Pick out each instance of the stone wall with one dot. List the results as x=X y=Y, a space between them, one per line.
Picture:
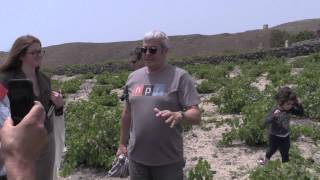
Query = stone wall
x=297 y=49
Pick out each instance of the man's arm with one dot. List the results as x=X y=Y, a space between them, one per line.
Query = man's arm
x=125 y=123
x=192 y=114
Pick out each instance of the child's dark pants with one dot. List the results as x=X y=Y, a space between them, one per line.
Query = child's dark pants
x=283 y=143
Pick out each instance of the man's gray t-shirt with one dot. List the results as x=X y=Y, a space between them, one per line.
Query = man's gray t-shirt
x=152 y=141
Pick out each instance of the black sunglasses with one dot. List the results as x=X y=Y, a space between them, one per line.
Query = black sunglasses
x=152 y=50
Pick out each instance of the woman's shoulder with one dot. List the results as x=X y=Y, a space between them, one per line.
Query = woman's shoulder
x=6 y=76
x=43 y=76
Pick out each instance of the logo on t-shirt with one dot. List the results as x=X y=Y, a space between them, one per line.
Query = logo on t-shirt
x=149 y=90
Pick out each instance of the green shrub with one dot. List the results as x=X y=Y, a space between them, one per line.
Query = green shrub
x=101 y=95
x=116 y=80
x=278 y=71
x=88 y=75
x=201 y=171
x=251 y=70
x=251 y=130
x=277 y=170
x=92 y=133
x=208 y=87
x=312 y=132
x=186 y=126
x=308 y=89
x=296 y=168
x=235 y=95
x=216 y=76
x=303 y=35
x=279 y=37
x=55 y=85
x=101 y=90
x=71 y=86
x=105 y=99
x=210 y=71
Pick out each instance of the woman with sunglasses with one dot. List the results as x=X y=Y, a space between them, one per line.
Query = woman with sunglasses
x=24 y=62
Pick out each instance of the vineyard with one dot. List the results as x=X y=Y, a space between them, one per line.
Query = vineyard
x=235 y=100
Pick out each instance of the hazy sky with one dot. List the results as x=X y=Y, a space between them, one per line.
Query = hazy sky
x=62 y=21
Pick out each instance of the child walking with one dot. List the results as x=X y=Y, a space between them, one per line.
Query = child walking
x=279 y=120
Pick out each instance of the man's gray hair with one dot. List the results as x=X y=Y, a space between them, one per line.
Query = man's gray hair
x=159 y=35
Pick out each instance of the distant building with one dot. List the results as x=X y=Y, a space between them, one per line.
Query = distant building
x=265 y=27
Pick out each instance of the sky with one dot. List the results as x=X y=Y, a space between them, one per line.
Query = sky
x=64 y=21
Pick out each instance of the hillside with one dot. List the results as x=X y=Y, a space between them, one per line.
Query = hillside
x=182 y=46
x=298 y=26
x=189 y=45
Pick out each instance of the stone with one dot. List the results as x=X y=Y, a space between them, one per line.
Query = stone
x=194 y=158
x=316 y=158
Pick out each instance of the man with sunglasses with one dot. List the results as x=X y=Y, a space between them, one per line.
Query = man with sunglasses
x=160 y=98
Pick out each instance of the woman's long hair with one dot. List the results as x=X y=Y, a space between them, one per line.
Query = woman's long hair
x=18 y=49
